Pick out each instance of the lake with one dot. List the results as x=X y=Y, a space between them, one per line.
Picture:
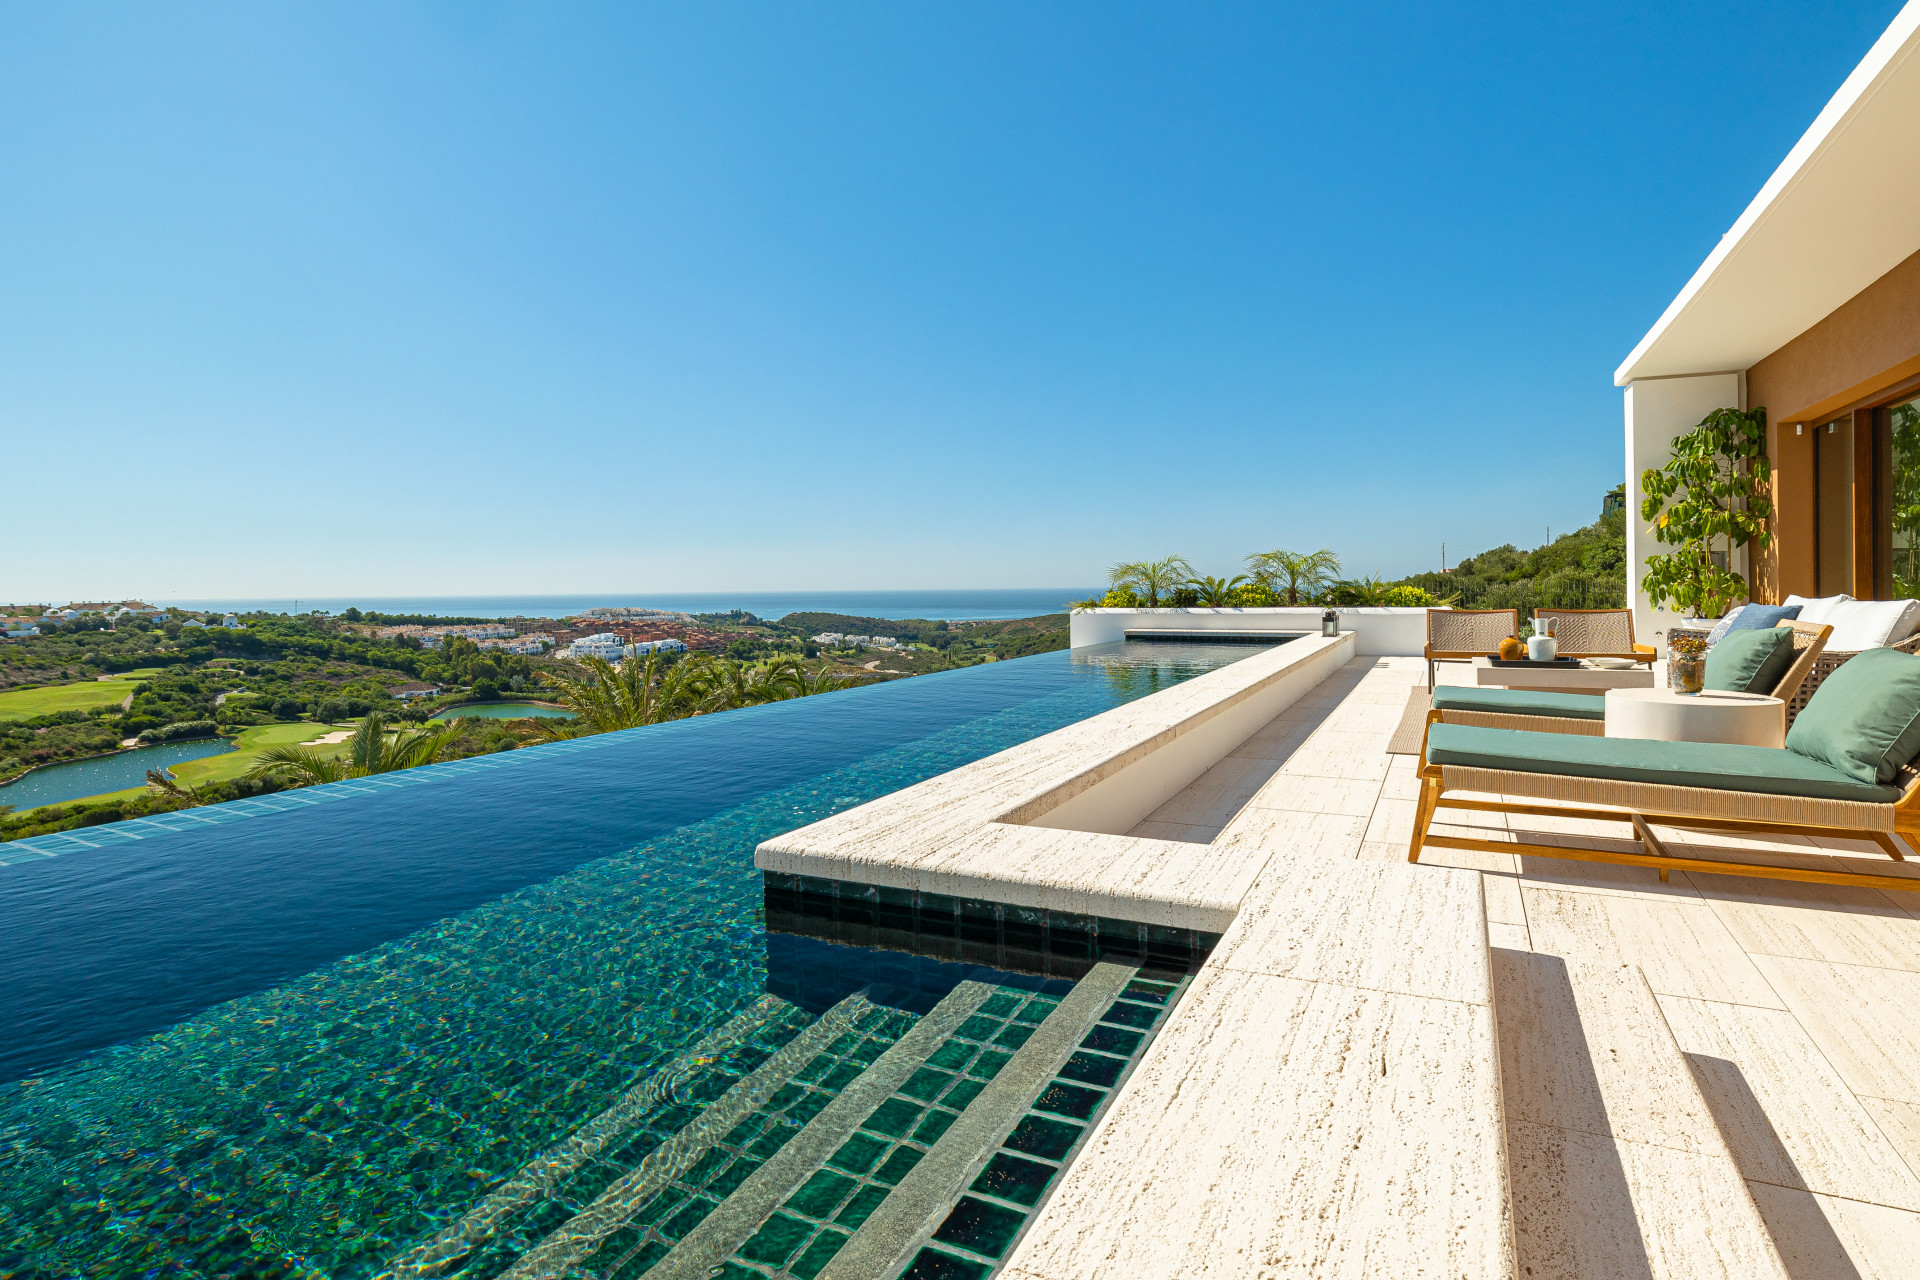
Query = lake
x=504 y=711
x=77 y=779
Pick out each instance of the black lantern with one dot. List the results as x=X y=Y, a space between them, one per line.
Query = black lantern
x=1329 y=624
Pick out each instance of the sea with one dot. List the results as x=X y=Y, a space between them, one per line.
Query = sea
x=954 y=606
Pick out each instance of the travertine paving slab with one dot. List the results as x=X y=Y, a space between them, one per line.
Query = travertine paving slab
x=1584 y=1047
x=1333 y=835
x=1679 y=944
x=1830 y=1238
x=1280 y=1127
x=1866 y=1021
x=1816 y=921
x=1900 y=1122
x=1384 y=927
x=1304 y=794
x=1590 y=1207
x=1787 y=1116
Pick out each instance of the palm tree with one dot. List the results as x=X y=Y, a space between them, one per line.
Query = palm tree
x=1302 y=573
x=635 y=693
x=1151 y=577
x=1216 y=592
x=163 y=785
x=373 y=748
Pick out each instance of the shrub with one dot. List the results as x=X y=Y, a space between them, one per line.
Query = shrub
x=286 y=709
x=334 y=710
x=1405 y=597
x=179 y=730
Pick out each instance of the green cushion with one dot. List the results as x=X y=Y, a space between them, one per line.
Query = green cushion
x=1864 y=719
x=1750 y=661
x=1720 y=765
x=1521 y=702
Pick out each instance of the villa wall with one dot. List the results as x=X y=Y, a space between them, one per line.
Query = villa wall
x=1659 y=409
x=1378 y=632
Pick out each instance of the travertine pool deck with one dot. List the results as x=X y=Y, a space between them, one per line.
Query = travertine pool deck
x=1483 y=1065
x=1796 y=1006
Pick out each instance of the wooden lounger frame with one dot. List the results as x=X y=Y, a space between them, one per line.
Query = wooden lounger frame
x=1698 y=808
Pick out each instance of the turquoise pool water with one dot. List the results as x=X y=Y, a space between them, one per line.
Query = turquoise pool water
x=504 y=711
x=77 y=779
x=525 y=1012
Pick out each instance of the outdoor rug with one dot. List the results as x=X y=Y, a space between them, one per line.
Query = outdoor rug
x=1413 y=723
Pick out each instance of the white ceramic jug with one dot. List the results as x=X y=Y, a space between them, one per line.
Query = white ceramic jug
x=1541 y=648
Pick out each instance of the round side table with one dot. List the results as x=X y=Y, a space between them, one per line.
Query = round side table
x=1752 y=719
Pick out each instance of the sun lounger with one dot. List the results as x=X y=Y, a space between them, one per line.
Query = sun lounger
x=1847 y=772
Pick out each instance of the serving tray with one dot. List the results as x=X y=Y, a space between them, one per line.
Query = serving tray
x=1562 y=663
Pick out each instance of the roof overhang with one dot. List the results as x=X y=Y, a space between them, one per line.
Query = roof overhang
x=1841 y=211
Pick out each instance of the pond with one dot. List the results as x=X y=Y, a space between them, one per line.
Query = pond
x=504 y=711
x=78 y=779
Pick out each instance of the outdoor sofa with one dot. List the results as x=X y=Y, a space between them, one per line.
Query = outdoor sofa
x=1846 y=771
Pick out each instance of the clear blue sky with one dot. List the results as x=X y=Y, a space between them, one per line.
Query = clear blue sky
x=340 y=298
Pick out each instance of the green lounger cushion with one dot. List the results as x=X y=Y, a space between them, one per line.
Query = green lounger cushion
x=1722 y=766
x=1520 y=702
x=1864 y=720
x=1750 y=661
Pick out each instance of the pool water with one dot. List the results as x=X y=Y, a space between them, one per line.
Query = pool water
x=523 y=1016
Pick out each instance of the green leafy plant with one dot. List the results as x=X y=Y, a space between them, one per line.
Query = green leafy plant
x=1216 y=593
x=1712 y=490
x=1905 y=423
x=1151 y=578
x=1294 y=574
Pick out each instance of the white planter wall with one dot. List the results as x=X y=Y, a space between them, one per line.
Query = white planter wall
x=1378 y=632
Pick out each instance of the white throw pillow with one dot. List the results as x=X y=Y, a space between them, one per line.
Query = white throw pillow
x=1723 y=626
x=1816 y=608
x=1869 y=624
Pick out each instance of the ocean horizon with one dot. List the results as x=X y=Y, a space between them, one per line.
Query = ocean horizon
x=954 y=606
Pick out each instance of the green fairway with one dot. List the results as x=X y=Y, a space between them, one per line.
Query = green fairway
x=231 y=764
x=82 y=695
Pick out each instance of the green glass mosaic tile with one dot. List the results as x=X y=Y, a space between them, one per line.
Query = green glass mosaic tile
x=980 y=1226
x=822 y=1193
x=1071 y=1100
x=858 y=1153
x=926 y=1084
x=1036 y=1011
x=858 y=1209
x=1039 y=1136
x=1112 y=1040
x=778 y=1240
x=898 y=1165
x=731 y=1177
x=1000 y=1004
x=895 y=1117
x=979 y=1028
x=842 y=1075
x=988 y=1064
x=953 y=1055
x=817 y=1255
x=936 y=1264
x=936 y=1124
x=1009 y=1177
x=1015 y=1035
x=962 y=1093
x=1093 y=1068
x=689 y=1217
x=1130 y=1015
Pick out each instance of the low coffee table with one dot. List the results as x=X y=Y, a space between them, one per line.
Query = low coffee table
x=1585 y=678
x=1752 y=719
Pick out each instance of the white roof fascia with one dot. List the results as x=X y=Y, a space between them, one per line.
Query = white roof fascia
x=1889 y=52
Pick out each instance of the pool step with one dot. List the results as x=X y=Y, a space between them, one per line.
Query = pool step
x=743 y=1213
x=584 y=1233
x=926 y=1196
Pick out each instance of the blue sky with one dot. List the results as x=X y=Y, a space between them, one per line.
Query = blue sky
x=467 y=297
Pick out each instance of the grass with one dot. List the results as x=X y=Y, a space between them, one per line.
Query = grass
x=231 y=764
x=81 y=695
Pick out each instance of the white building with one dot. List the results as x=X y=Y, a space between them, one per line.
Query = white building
x=832 y=639
x=642 y=647
x=603 y=645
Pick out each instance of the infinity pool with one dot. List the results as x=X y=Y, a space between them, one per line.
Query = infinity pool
x=522 y=1015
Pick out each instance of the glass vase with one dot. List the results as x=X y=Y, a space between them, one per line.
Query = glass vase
x=1687 y=673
